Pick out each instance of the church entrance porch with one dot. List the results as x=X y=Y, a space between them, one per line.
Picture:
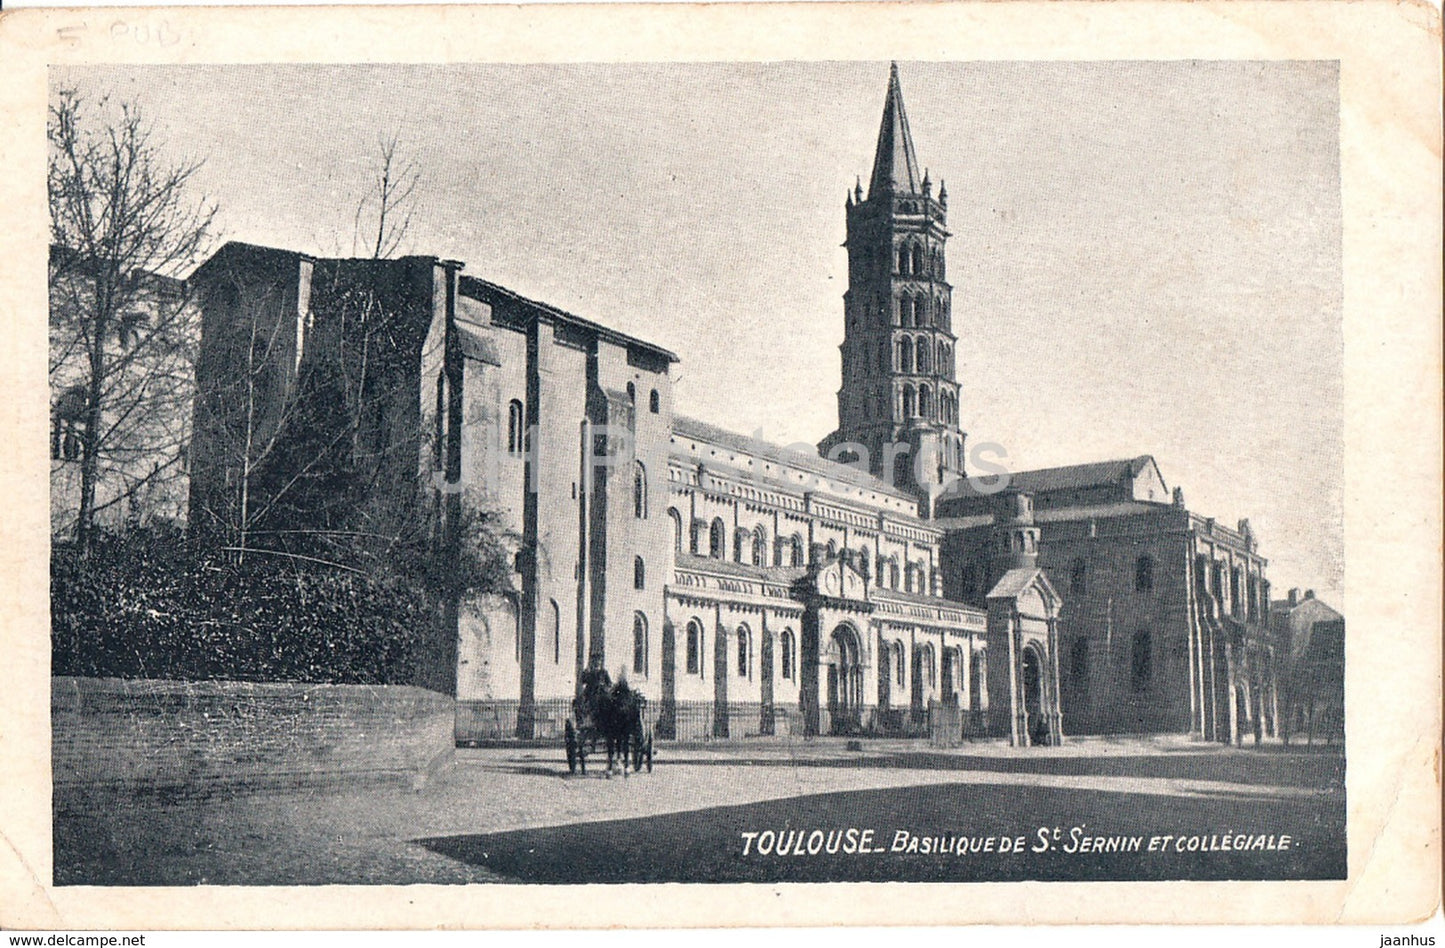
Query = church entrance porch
x=1023 y=670
x=842 y=658
x=1036 y=723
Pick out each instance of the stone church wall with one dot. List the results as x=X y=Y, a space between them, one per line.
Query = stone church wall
x=1103 y=690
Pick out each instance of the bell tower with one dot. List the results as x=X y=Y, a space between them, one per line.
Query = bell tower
x=899 y=397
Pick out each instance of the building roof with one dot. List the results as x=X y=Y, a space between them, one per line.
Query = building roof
x=64 y=258
x=1306 y=608
x=963 y=522
x=235 y=248
x=1016 y=581
x=895 y=167
x=832 y=470
x=1074 y=476
x=1049 y=479
x=923 y=599
x=240 y=248
x=562 y=316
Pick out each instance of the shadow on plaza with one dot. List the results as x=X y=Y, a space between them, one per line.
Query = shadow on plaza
x=707 y=845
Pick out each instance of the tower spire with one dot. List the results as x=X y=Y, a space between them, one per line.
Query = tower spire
x=900 y=385
x=895 y=168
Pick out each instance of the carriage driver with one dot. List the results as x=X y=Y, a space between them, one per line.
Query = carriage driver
x=595 y=683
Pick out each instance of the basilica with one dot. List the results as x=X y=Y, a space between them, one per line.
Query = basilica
x=875 y=587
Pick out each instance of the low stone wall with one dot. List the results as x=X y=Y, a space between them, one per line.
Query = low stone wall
x=172 y=734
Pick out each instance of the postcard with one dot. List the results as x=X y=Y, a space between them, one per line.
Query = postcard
x=487 y=452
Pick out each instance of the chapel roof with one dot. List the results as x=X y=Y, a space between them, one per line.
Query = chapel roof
x=685 y=427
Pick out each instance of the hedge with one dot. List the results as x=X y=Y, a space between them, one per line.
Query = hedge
x=148 y=604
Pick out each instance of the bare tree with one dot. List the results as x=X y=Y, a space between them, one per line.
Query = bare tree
x=392 y=198
x=389 y=203
x=293 y=398
x=123 y=228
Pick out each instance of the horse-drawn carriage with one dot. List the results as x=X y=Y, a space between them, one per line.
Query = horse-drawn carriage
x=613 y=716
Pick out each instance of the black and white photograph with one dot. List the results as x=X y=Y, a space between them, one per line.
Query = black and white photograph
x=900 y=468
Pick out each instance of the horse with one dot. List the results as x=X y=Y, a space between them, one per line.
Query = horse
x=619 y=720
x=613 y=713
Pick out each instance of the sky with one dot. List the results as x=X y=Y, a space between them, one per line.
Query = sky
x=1145 y=256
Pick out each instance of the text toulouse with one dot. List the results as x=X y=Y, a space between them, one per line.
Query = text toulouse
x=853 y=841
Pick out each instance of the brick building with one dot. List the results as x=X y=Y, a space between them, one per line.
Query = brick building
x=1311 y=642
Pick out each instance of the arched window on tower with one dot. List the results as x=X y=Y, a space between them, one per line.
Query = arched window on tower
x=639 y=644
x=923 y=355
x=908 y=403
x=925 y=401
x=920 y=311
x=905 y=308
x=1144 y=574
x=918 y=259
x=639 y=491
x=905 y=354
x=514 y=428
x=902 y=470
x=694 y=647
x=676 y=529
x=1141 y=665
x=903 y=261
x=556 y=633
x=797 y=550
x=654 y=402
x=1079 y=666
x=716 y=540
x=942 y=361
x=760 y=547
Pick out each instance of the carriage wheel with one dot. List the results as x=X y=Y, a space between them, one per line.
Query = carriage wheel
x=572 y=757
